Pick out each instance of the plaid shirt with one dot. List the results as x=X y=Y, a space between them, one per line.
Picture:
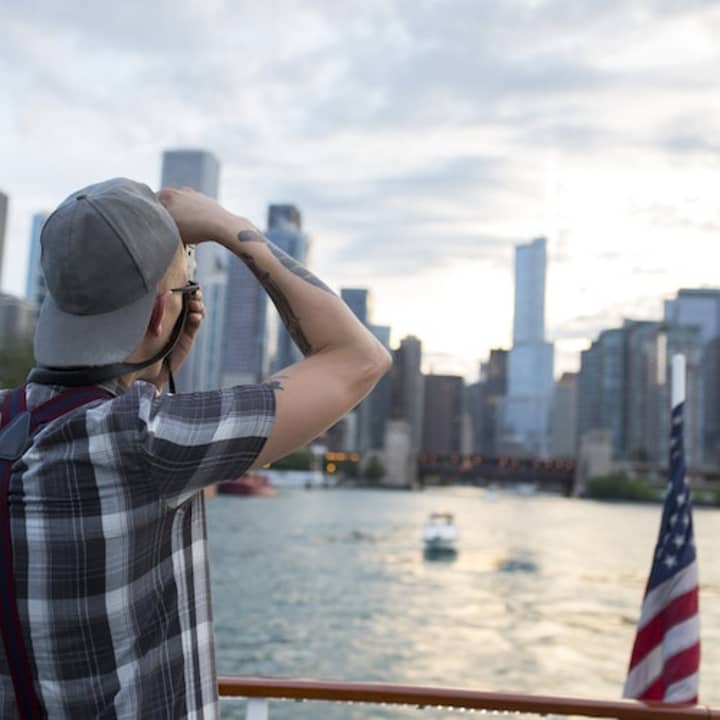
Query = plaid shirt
x=110 y=548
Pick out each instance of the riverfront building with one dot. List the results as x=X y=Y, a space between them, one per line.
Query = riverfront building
x=408 y=388
x=701 y=308
x=200 y=170
x=530 y=369
x=563 y=417
x=35 y=288
x=624 y=388
x=443 y=416
x=484 y=402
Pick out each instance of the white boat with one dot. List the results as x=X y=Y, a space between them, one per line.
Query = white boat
x=440 y=534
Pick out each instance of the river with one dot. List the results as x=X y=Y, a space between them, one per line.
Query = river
x=542 y=597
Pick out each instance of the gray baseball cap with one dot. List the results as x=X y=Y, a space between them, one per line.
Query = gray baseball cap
x=104 y=251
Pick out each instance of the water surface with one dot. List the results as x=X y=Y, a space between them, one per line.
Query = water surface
x=542 y=597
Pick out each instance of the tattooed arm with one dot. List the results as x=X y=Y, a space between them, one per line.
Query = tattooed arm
x=343 y=360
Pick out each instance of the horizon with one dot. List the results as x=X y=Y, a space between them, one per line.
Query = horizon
x=421 y=147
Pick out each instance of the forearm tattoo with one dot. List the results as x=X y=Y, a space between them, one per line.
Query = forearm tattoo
x=287 y=261
x=287 y=314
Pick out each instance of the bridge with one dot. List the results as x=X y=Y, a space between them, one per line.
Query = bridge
x=557 y=475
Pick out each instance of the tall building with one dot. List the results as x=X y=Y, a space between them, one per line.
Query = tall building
x=624 y=387
x=284 y=229
x=484 y=401
x=701 y=308
x=3 y=223
x=17 y=319
x=650 y=347
x=408 y=388
x=35 y=288
x=563 y=417
x=443 y=415
x=200 y=170
x=358 y=300
x=530 y=370
x=601 y=389
x=247 y=352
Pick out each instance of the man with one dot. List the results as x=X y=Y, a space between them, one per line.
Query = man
x=106 y=513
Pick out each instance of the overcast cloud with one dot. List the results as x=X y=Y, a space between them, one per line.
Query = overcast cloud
x=421 y=140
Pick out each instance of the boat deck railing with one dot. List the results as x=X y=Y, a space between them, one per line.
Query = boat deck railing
x=259 y=691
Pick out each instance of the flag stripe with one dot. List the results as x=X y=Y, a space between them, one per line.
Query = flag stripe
x=678 y=584
x=679 y=610
x=682 y=665
x=684 y=690
x=677 y=673
x=653 y=666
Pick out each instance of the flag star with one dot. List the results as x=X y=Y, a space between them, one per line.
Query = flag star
x=679 y=540
x=685 y=519
x=681 y=499
x=670 y=561
x=673 y=520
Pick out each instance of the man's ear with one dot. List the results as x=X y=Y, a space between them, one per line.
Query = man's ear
x=157 y=318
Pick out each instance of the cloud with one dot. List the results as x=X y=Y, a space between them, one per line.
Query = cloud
x=412 y=134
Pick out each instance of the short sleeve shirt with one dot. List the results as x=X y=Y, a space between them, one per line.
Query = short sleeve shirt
x=109 y=538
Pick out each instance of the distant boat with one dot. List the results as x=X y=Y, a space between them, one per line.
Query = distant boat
x=250 y=484
x=440 y=534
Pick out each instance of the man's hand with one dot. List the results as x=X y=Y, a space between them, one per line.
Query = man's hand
x=198 y=217
x=182 y=348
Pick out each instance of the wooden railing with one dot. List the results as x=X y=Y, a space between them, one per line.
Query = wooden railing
x=259 y=690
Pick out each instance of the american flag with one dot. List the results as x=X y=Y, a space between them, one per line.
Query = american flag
x=665 y=660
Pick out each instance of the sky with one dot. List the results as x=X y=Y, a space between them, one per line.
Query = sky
x=422 y=141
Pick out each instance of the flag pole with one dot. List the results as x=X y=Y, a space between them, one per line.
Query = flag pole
x=679 y=380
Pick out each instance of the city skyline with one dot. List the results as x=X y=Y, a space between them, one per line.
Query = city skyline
x=418 y=175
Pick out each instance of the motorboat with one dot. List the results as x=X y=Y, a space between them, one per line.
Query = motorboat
x=440 y=534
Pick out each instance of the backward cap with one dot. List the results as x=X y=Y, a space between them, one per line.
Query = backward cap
x=104 y=251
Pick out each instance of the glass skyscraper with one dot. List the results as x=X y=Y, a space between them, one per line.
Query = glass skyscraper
x=530 y=367
x=200 y=170
x=35 y=287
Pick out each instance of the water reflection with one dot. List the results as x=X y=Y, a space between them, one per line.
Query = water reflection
x=335 y=585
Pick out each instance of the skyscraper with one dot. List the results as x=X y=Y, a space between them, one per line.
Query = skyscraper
x=200 y=170
x=649 y=350
x=530 y=371
x=701 y=308
x=602 y=397
x=35 y=287
x=3 y=223
x=358 y=300
x=408 y=388
x=443 y=416
x=563 y=417
x=285 y=230
x=484 y=398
